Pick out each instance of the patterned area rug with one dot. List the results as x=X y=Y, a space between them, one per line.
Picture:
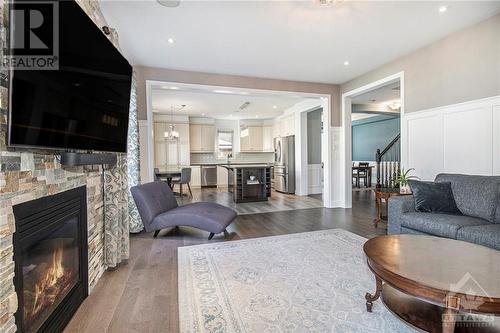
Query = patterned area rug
x=306 y=282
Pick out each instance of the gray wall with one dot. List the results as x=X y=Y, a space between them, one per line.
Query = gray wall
x=371 y=134
x=461 y=67
x=314 y=137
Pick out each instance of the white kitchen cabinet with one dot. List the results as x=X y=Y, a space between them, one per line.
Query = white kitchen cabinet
x=202 y=138
x=208 y=138
x=195 y=176
x=221 y=177
x=287 y=126
x=252 y=142
x=159 y=131
x=267 y=139
x=276 y=129
x=170 y=153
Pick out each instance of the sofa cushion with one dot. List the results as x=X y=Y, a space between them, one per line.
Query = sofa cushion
x=443 y=225
x=432 y=197
x=475 y=196
x=487 y=235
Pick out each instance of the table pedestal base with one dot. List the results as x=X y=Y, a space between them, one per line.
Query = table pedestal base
x=428 y=317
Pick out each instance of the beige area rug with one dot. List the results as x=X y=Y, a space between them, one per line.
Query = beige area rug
x=306 y=282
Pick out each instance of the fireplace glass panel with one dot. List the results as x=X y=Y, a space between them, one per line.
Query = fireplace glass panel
x=50 y=270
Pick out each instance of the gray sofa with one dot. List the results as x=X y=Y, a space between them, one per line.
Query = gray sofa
x=158 y=209
x=478 y=199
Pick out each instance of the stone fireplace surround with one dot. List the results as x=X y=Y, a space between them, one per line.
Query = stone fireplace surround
x=26 y=175
x=51 y=264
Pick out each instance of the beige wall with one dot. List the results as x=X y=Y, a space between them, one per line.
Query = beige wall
x=159 y=74
x=461 y=67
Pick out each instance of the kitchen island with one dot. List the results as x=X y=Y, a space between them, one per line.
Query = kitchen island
x=249 y=182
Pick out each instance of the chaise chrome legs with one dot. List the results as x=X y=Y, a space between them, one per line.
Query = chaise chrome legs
x=156 y=233
x=210 y=236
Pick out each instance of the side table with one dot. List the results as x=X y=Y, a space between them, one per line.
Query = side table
x=384 y=194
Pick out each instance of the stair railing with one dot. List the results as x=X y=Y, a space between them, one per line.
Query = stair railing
x=388 y=163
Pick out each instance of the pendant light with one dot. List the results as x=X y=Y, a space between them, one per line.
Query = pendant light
x=171 y=133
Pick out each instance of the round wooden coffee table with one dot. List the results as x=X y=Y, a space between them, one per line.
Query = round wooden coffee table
x=436 y=284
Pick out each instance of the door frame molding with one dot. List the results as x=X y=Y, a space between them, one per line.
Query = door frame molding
x=327 y=151
x=345 y=157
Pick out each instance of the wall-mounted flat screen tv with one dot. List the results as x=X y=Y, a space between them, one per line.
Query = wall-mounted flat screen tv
x=84 y=105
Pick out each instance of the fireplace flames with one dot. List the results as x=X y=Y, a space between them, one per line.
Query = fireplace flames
x=51 y=284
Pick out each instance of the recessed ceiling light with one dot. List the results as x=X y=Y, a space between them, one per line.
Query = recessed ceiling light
x=442 y=9
x=170 y=87
x=203 y=114
x=169 y=3
x=346 y=63
x=244 y=93
x=170 y=40
x=275 y=106
x=222 y=91
x=256 y=116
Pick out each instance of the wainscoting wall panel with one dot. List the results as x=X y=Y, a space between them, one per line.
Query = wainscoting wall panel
x=460 y=138
x=315 y=178
x=424 y=149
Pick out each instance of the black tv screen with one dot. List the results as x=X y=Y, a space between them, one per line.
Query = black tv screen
x=84 y=105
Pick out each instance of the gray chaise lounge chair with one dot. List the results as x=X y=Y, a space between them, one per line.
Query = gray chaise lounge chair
x=158 y=209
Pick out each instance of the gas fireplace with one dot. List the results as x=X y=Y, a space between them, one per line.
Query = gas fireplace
x=50 y=254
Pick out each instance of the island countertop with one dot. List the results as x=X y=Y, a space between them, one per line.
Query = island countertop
x=246 y=166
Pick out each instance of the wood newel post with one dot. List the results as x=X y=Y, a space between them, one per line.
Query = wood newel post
x=377 y=159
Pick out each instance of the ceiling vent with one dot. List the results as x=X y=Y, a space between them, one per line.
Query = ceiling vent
x=243 y=106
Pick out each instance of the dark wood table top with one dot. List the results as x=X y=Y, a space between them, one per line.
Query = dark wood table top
x=432 y=268
x=363 y=167
x=169 y=173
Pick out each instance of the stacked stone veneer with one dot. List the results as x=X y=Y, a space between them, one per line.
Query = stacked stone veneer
x=30 y=174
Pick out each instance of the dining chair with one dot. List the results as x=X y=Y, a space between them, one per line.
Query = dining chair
x=363 y=173
x=185 y=179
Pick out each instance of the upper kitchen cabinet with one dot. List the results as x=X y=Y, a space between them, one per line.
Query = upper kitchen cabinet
x=171 y=152
x=267 y=139
x=202 y=138
x=287 y=126
x=251 y=139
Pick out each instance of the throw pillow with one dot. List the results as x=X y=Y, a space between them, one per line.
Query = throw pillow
x=433 y=197
x=476 y=196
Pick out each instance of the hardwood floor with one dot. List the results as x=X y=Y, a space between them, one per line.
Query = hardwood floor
x=142 y=295
x=278 y=201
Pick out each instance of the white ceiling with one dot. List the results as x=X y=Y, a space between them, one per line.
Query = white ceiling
x=360 y=116
x=295 y=40
x=385 y=94
x=202 y=101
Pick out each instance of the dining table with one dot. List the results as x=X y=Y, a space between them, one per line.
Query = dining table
x=358 y=169
x=168 y=175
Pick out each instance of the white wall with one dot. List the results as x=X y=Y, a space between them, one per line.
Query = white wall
x=301 y=167
x=143 y=151
x=459 y=138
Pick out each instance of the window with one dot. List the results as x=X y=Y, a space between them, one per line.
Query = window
x=224 y=143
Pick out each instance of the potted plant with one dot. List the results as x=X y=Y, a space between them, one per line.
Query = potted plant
x=402 y=178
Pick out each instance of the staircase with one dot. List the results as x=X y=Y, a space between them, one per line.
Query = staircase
x=388 y=163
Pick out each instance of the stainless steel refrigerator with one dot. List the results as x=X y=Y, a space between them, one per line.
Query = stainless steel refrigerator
x=284 y=164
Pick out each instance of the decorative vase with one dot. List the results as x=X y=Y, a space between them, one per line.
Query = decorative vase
x=405 y=189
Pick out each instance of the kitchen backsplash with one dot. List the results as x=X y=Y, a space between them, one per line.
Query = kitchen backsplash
x=238 y=158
